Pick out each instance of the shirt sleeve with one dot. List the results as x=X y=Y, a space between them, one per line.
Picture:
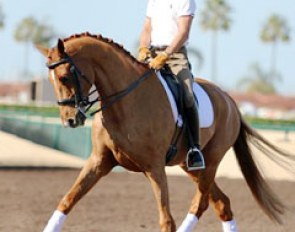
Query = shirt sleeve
x=186 y=7
x=149 y=9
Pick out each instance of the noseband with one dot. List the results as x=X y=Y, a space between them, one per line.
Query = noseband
x=82 y=103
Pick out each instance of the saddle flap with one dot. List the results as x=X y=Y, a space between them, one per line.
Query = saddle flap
x=206 y=112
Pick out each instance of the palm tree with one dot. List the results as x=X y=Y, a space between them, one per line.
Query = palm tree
x=275 y=29
x=215 y=17
x=258 y=80
x=1 y=18
x=44 y=34
x=29 y=31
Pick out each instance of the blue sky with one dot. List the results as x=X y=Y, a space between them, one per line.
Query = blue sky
x=122 y=21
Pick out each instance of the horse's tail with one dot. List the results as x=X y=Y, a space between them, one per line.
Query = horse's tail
x=267 y=200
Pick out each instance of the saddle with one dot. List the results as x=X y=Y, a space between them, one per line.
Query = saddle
x=175 y=94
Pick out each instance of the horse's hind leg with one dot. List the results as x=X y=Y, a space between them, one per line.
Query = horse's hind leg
x=200 y=202
x=221 y=205
x=95 y=167
x=158 y=181
x=208 y=191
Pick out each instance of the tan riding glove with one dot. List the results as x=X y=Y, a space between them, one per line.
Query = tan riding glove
x=159 y=61
x=143 y=54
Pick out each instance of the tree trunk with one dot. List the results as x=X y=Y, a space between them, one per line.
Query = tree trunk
x=214 y=57
x=273 y=61
x=26 y=60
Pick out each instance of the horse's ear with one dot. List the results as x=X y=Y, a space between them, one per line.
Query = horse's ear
x=43 y=50
x=60 y=46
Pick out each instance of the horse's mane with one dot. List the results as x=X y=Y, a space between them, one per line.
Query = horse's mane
x=109 y=41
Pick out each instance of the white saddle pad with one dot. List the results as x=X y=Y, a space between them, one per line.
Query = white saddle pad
x=206 y=113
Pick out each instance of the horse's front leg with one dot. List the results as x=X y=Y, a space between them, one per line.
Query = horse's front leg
x=158 y=181
x=97 y=166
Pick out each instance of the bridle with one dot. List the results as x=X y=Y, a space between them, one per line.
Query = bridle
x=82 y=103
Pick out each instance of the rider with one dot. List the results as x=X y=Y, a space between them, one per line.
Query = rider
x=166 y=31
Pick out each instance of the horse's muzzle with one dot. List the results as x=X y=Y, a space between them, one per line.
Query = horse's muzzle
x=79 y=119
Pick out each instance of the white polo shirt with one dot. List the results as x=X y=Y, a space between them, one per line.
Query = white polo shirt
x=164 y=15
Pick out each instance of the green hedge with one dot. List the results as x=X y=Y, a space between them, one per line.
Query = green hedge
x=269 y=121
x=45 y=111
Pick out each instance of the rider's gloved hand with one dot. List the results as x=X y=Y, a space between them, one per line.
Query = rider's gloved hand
x=143 y=54
x=159 y=61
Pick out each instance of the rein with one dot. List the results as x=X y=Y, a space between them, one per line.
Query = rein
x=117 y=96
x=81 y=102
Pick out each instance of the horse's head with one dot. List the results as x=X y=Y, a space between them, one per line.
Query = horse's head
x=71 y=86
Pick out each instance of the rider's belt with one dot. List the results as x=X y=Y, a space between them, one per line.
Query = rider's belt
x=163 y=48
x=158 y=48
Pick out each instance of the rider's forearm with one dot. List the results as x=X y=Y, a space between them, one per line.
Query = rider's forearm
x=145 y=37
x=177 y=43
x=184 y=24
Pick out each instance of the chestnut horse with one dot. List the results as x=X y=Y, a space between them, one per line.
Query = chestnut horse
x=134 y=126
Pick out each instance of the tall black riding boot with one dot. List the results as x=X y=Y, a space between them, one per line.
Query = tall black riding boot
x=195 y=158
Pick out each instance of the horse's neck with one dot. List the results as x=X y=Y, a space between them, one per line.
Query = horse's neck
x=115 y=71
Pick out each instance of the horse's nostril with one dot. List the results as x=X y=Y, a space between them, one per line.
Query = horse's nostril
x=71 y=121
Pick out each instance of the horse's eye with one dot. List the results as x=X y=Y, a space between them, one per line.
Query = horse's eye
x=64 y=79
